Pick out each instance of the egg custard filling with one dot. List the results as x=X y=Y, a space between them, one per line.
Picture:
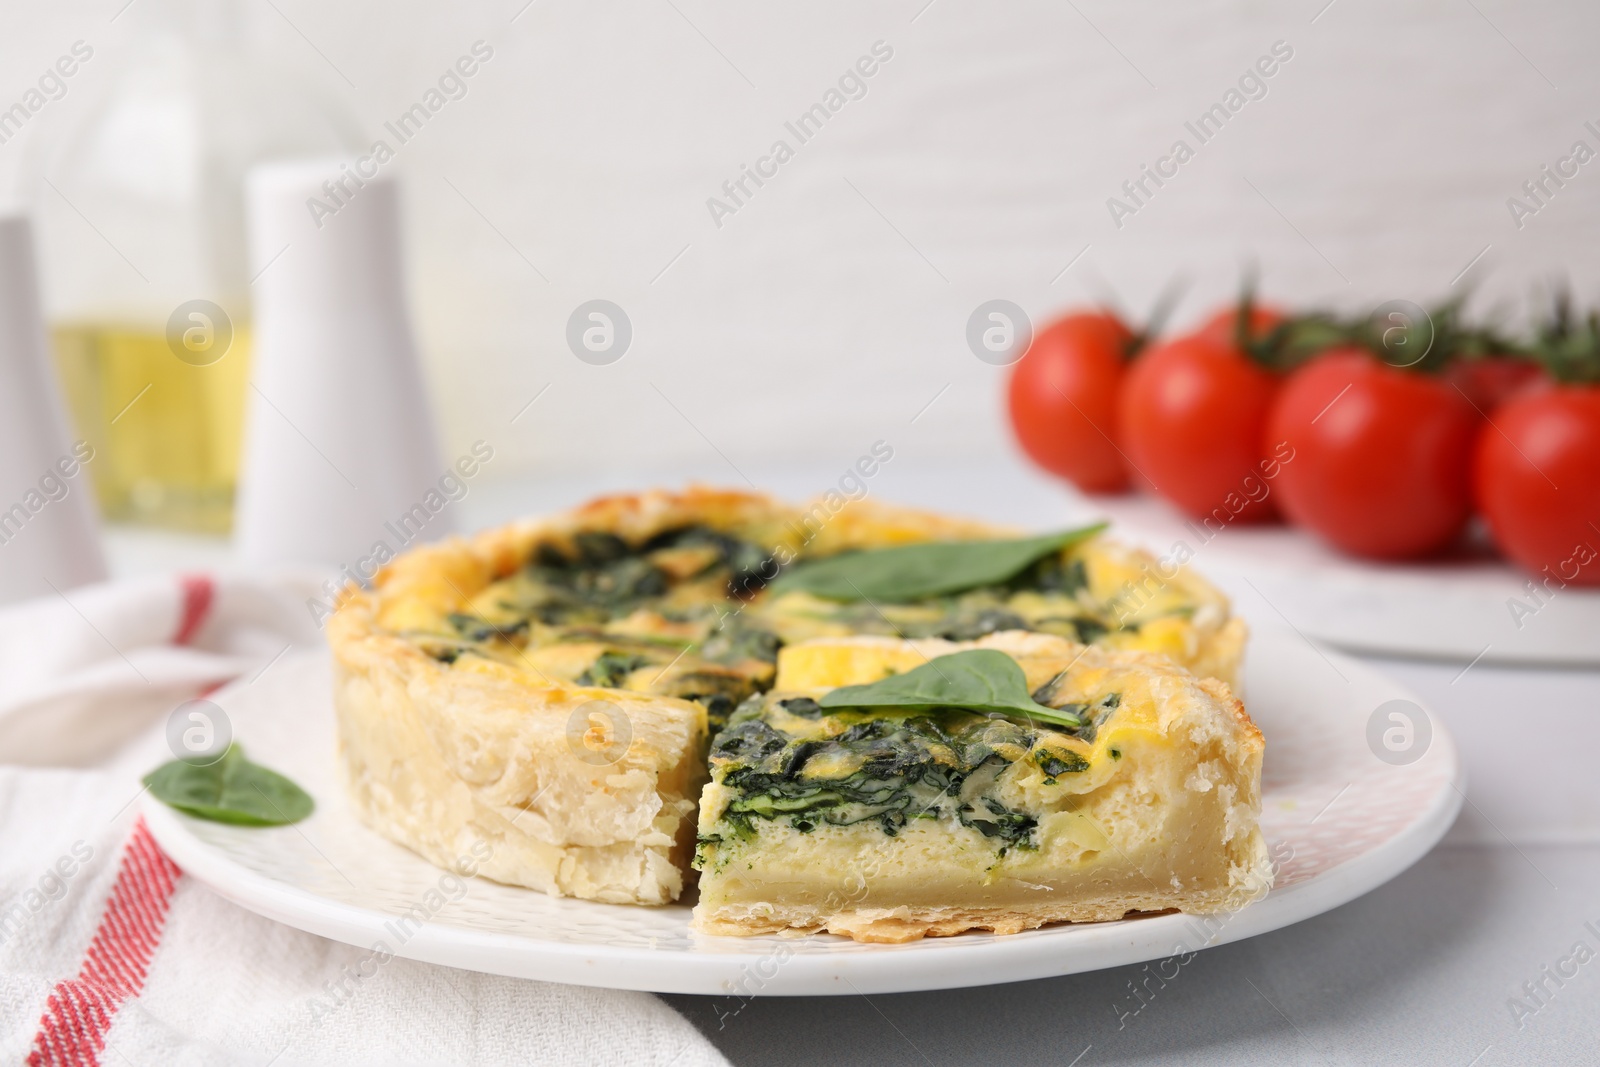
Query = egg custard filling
x=659 y=616
x=1092 y=591
x=687 y=612
x=894 y=822
x=550 y=687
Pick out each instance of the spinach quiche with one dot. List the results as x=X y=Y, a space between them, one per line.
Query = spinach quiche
x=550 y=688
x=888 y=790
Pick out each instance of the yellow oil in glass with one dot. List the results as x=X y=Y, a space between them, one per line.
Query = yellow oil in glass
x=166 y=433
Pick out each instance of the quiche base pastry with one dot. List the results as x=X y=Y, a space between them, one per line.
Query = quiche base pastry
x=889 y=824
x=548 y=688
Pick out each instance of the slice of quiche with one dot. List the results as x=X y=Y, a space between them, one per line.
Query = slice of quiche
x=887 y=790
x=543 y=688
x=547 y=687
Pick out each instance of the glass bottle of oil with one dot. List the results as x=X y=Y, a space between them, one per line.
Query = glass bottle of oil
x=141 y=216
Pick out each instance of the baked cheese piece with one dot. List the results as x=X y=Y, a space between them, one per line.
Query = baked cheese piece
x=887 y=824
x=548 y=687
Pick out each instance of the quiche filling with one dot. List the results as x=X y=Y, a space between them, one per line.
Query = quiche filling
x=786 y=759
x=663 y=616
x=686 y=613
x=1051 y=596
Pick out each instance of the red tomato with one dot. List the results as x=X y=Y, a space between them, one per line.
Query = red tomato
x=1489 y=382
x=1063 y=400
x=1537 y=480
x=1381 y=456
x=1223 y=327
x=1192 y=413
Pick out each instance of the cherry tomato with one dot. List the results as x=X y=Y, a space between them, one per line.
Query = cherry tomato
x=1381 y=456
x=1193 y=412
x=1063 y=400
x=1537 y=481
x=1490 y=381
x=1223 y=326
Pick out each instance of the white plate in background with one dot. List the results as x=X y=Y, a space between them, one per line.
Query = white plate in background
x=1459 y=609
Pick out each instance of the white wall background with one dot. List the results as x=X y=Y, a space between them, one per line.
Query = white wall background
x=829 y=311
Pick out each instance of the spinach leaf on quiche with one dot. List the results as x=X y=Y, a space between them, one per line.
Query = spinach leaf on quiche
x=978 y=679
x=904 y=573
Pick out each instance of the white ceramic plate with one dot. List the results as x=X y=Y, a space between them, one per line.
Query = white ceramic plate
x=1465 y=608
x=1340 y=821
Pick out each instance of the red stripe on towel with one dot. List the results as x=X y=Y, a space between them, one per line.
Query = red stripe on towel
x=198 y=592
x=72 y=1031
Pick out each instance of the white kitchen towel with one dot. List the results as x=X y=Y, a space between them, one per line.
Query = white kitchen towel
x=109 y=955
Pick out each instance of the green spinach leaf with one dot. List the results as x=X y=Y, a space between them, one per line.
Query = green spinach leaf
x=611 y=669
x=231 y=790
x=934 y=568
x=979 y=679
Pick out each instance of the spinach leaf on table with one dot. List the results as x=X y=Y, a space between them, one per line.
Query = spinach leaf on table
x=230 y=790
